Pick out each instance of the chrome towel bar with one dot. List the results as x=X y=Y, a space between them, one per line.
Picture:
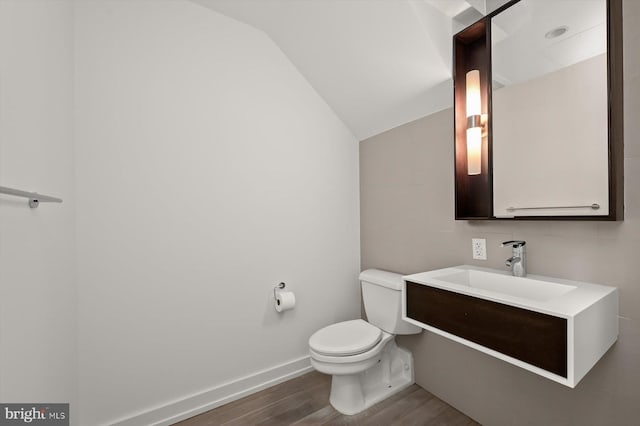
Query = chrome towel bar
x=34 y=197
x=593 y=206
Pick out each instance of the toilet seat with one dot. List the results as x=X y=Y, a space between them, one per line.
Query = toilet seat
x=345 y=338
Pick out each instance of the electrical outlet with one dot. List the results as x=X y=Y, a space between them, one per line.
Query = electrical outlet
x=479 y=248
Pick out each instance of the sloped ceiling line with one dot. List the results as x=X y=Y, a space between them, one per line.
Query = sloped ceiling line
x=378 y=64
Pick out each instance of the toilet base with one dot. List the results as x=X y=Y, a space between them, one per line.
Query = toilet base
x=353 y=393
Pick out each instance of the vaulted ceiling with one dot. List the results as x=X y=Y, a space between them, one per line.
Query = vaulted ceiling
x=377 y=63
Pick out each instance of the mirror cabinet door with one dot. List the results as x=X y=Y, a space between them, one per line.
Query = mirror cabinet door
x=550 y=115
x=554 y=127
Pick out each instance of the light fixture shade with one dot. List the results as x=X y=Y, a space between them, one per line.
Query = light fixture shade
x=474 y=104
x=474 y=151
x=474 y=123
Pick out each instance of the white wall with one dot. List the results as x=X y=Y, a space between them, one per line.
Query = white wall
x=37 y=269
x=208 y=170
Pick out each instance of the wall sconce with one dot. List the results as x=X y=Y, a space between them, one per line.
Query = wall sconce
x=475 y=123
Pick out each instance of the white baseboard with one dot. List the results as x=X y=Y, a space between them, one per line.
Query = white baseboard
x=193 y=405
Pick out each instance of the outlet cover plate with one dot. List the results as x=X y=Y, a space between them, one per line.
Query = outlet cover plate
x=479 y=247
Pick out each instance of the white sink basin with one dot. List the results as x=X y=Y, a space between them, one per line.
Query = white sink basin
x=526 y=288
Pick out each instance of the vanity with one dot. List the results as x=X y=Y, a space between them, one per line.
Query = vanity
x=553 y=327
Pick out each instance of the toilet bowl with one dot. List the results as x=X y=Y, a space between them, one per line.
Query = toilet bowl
x=362 y=357
x=332 y=353
x=364 y=377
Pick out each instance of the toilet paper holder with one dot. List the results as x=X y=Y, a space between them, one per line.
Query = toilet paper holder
x=276 y=288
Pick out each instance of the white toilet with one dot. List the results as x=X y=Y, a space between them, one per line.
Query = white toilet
x=366 y=364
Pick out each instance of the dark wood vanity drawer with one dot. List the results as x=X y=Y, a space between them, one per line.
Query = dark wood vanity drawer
x=535 y=338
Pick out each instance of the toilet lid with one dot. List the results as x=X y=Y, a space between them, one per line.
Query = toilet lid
x=345 y=338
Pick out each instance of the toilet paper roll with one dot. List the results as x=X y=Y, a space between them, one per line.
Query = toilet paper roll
x=285 y=300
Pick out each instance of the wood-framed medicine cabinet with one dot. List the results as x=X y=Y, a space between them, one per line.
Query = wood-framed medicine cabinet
x=532 y=140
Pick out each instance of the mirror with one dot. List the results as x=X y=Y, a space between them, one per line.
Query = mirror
x=550 y=113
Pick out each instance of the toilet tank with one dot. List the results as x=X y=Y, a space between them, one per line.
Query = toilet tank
x=382 y=298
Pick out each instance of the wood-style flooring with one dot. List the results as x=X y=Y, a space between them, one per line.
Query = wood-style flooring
x=305 y=401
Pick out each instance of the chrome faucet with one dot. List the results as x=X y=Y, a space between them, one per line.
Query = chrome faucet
x=518 y=261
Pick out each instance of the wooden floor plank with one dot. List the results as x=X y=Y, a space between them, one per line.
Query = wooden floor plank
x=425 y=414
x=305 y=401
x=391 y=415
x=257 y=401
x=325 y=415
x=288 y=409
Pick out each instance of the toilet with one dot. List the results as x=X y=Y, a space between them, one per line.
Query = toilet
x=366 y=364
